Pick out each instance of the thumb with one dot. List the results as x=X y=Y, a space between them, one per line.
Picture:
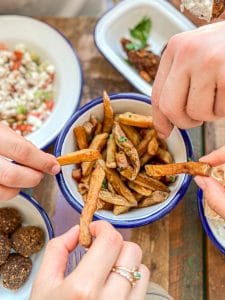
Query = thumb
x=56 y=256
x=214 y=193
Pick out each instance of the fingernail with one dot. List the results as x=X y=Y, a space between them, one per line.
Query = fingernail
x=55 y=169
x=200 y=182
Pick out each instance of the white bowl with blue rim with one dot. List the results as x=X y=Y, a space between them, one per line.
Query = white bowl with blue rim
x=214 y=227
x=179 y=144
x=115 y=24
x=51 y=45
x=32 y=214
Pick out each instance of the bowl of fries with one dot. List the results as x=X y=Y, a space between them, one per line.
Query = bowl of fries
x=117 y=184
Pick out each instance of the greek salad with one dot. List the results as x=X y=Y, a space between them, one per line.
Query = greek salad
x=26 y=89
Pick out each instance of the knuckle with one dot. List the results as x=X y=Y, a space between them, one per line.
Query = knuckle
x=80 y=293
x=135 y=250
x=145 y=271
x=114 y=238
x=7 y=177
x=173 y=43
x=21 y=149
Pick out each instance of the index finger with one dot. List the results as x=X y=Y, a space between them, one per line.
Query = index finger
x=17 y=148
x=96 y=264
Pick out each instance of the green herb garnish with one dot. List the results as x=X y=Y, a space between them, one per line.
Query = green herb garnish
x=21 y=110
x=123 y=139
x=104 y=184
x=140 y=33
x=172 y=178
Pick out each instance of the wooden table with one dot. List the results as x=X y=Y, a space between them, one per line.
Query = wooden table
x=175 y=249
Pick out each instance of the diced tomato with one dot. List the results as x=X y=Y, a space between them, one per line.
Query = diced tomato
x=24 y=127
x=3 y=46
x=16 y=65
x=18 y=54
x=35 y=114
x=49 y=104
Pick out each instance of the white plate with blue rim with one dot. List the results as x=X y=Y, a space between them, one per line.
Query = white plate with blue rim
x=50 y=45
x=32 y=214
x=115 y=24
x=179 y=144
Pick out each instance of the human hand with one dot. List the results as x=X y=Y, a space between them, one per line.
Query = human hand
x=214 y=192
x=31 y=163
x=190 y=84
x=92 y=278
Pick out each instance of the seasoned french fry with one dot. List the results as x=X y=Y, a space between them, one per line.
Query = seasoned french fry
x=164 y=156
x=145 y=158
x=97 y=124
x=97 y=143
x=118 y=209
x=132 y=134
x=121 y=160
x=125 y=144
x=110 y=188
x=192 y=168
x=150 y=183
x=90 y=206
x=104 y=205
x=154 y=198
x=110 y=152
x=139 y=189
x=153 y=146
x=89 y=129
x=77 y=174
x=94 y=121
x=118 y=185
x=127 y=173
x=162 y=144
x=98 y=129
x=142 y=147
x=138 y=197
x=77 y=157
x=83 y=188
x=108 y=113
x=135 y=120
x=115 y=199
x=81 y=137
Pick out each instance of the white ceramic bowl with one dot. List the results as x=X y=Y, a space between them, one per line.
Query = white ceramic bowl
x=51 y=45
x=179 y=144
x=32 y=214
x=214 y=229
x=115 y=24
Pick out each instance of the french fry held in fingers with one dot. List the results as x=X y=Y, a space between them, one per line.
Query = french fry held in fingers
x=77 y=157
x=108 y=114
x=97 y=143
x=135 y=120
x=81 y=137
x=192 y=168
x=90 y=205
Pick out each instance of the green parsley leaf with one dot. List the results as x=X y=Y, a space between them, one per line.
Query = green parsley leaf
x=123 y=139
x=141 y=31
x=133 y=46
x=21 y=110
x=104 y=184
x=172 y=178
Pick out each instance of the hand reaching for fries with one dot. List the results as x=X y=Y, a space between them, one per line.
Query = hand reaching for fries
x=93 y=277
x=214 y=192
x=30 y=163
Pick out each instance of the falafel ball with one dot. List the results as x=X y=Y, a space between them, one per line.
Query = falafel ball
x=10 y=220
x=5 y=247
x=28 y=240
x=15 y=271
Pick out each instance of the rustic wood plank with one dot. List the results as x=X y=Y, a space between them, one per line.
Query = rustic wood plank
x=215 y=260
x=186 y=266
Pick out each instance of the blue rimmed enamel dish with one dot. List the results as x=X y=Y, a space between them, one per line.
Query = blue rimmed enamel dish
x=32 y=214
x=179 y=144
x=212 y=227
